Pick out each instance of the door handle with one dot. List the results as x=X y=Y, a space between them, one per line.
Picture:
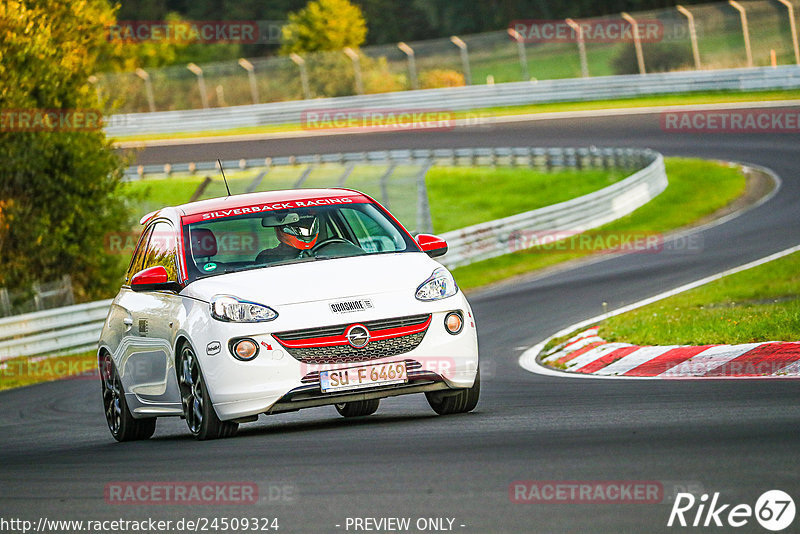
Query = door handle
x=127 y=321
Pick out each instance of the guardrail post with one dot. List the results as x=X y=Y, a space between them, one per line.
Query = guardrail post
x=412 y=64
x=148 y=88
x=692 y=34
x=353 y=55
x=523 y=58
x=301 y=64
x=201 y=83
x=251 y=75
x=745 y=30
x=462 y=46
x=581 y=46
x=793 y=27
x=637 y=41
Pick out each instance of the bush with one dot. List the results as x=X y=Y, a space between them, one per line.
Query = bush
x=434 y=79
x=658 y=57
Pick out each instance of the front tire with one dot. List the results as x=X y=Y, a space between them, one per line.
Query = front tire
x=358 y=408
x=121 y=423
x=201 y=418
x=446 y=403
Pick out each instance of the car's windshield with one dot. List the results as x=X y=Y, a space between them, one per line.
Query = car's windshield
x=297 y=235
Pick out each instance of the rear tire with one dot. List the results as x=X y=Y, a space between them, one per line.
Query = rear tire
x=201 y=418
x=465 y=400
x=121 y=423
x=358 y=408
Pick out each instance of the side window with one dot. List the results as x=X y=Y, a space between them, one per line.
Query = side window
x=138 y=256
x=161 y=250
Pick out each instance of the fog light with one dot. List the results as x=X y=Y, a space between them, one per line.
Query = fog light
x=244 y=349
x=454 y=322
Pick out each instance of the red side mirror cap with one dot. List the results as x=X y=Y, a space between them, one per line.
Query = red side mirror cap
x=432 y=245
x=152 y=279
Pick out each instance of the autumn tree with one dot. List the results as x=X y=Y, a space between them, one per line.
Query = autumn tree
x=324 y=25
x=60 y=189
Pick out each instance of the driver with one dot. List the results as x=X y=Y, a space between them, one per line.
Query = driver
x=296 y=239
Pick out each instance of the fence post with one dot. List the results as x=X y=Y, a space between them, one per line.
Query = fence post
x=745 y=30
x=5 y=302
x=251 y=75
x=301 y=64
x=462 y=46
x=793 y=27
x=523 y=58
x=424 y=223
x=692 y=34
x=581 y=46
x=201 y=83
x=148 y=87
x=637 y=41
x=412 y=64
x=353 y=55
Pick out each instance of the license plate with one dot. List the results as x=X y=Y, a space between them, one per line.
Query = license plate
x=381 y=374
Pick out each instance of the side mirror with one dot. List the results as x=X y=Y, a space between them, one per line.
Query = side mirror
x=153 y=279
x=432 y=245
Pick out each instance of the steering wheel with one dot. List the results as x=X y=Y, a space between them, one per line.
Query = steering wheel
x=329 y=241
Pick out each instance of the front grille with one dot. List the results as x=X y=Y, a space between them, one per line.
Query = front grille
x=339 y=330
x=375 y=350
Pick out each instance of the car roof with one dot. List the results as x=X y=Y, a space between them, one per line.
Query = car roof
x=252 y=199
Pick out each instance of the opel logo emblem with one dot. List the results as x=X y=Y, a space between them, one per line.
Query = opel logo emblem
x=357 y=336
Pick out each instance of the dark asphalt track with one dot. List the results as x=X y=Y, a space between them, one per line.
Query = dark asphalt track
x=739 y=438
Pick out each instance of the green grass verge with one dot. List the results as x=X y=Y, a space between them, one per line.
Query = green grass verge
x=697 y=188
x=25 y=371
x=460 y=196
x=714 y=97
x=760 y=304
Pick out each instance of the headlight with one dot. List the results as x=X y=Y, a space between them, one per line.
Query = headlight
x=440 y=285
x=233 y=310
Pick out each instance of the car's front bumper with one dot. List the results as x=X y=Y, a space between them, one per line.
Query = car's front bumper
x=277 y=382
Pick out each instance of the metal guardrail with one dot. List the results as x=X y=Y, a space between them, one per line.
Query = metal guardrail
x=461 y=98
x=495 y=238
x=77 y=328
x=66 y=330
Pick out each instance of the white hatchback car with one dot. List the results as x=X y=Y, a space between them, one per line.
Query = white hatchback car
x=271 y=302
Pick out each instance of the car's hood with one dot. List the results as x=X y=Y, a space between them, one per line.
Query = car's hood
x=320 y=280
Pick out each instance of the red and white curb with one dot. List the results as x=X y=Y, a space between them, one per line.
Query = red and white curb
x=588 y=354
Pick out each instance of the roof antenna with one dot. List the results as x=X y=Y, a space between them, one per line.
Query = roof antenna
x=223 y=177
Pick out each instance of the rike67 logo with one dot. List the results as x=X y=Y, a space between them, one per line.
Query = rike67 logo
x=774 y=510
